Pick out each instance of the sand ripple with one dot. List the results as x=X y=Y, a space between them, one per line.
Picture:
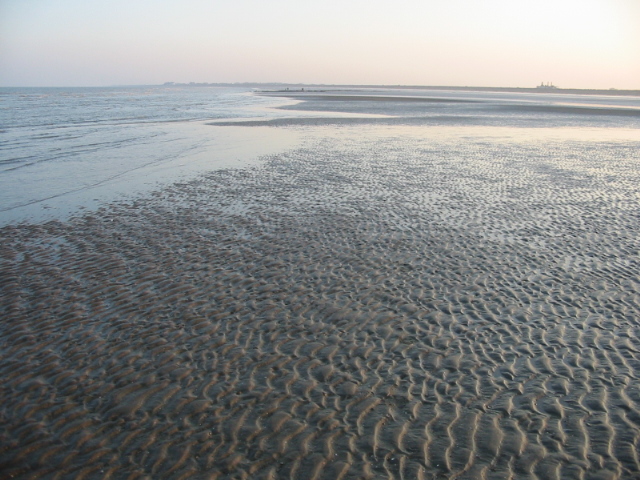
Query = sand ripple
x=398 y=308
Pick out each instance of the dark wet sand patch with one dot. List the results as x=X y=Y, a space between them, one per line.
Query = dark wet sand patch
x=372 y=98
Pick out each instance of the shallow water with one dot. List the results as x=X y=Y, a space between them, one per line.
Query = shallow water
x=380 y=301
x=499 y=109
x=67 y=150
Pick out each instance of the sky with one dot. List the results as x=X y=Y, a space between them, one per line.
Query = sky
x=500 y=43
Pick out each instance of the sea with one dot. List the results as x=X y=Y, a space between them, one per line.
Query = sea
x=67 y=150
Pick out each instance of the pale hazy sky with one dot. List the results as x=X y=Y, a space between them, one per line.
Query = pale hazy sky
x=519 y=43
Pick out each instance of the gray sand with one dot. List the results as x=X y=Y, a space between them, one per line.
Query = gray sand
x=378 y=303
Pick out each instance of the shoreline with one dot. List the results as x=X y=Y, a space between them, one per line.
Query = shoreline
x=334 y=87
x=214 y=150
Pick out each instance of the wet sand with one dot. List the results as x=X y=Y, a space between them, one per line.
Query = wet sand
x=375 y=304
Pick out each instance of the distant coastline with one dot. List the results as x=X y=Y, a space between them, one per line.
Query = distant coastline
x=299 y=86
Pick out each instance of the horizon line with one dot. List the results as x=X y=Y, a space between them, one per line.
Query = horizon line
x=536 y=88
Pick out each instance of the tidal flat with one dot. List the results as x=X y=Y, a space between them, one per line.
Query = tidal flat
x=381 y=301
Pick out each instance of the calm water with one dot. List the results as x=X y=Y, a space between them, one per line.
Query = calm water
x=65 y=150
x=60 y=148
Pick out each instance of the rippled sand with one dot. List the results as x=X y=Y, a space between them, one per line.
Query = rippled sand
x=366 y=306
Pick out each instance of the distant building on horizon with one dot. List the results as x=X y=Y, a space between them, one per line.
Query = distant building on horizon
x=547 y=86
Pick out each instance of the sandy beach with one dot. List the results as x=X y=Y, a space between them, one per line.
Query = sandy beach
x=378 y=302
